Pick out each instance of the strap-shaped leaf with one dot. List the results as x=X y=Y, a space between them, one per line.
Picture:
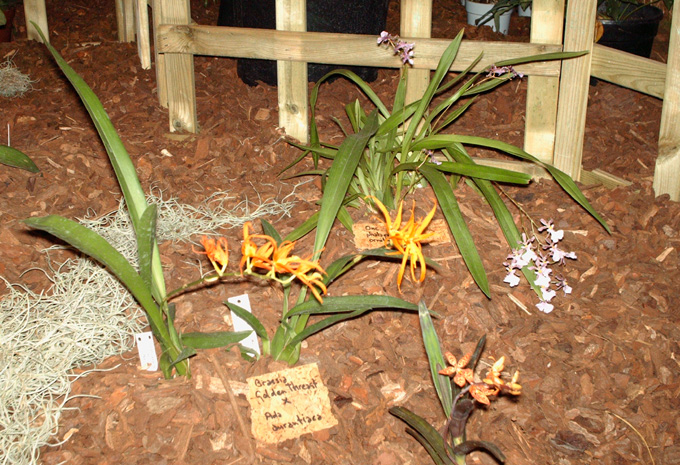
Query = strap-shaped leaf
x=456 y=222
x=118 y=155
x=446 y=140
x=249 y=318
x=349 y=303
x=95 y=246
x=340 y=175
x=427 y=431
x=146 y=237
x=15 y=158
x=213 y=340
x=293 y=344
x=469 y=446
x=442 y=384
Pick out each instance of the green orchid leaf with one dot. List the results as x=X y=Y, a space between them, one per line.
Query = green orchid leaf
x=500 y=210
x=118 y=155
x=424 y=429
x=456 y=222
x=95 y=246
x=570 y=187
x=213 y=340
x=349 y=303
x=293 y=345
x=186 y=353
x=340 y=175
x=470 y=446
x=249 y=318
x=442 y=70
x=271 y=231
x=146 y=237
x=15 y=158
x=442 y=384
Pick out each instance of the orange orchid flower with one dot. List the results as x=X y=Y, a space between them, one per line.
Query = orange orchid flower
x=407 y=240
x=481 y=392
x=217 y=252
x=253 y=256
x=457 y=370
x=276 y=259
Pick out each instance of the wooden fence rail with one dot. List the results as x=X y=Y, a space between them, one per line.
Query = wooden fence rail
x=557 y=94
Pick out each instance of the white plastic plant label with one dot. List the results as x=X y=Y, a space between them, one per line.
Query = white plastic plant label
x=147 y=351
x=241 y=325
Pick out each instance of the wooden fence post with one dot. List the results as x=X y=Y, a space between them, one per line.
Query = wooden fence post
x=416 y=21
x=161 y=85
x=667 y=169
x=125 y=19
x=142 y=29
x=291 y=15
x=179 y=71
x=35 y=11
x=574 y=84
x=547 y=19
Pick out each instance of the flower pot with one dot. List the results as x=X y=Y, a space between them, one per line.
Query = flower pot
x=524 y=11
x=6 y=30
x=634 y=34
x=477 y=10
x=363 y=17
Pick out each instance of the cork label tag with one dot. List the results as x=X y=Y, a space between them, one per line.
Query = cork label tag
x=369 y=235
x=289 y=403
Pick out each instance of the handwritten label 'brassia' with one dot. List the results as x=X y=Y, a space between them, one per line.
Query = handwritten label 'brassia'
x=289 y=403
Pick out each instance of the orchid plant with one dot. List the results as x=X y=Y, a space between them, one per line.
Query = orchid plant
x=389 y=153
x=459 y=391
x=268 y=256
x=539 y=258
x=146 y=284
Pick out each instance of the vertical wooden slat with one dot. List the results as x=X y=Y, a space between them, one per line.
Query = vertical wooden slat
x=179 y=72
x=416 y=21
x=129 y=15
x=574 y=83
x=547 y=19
x=667 y=168
x=35 y=11
x=161 y=85
x=291 y=15
x=142 y=28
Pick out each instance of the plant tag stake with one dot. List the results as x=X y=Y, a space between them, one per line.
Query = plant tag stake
x=147 y=351
x=289 y=403
x=240 y=325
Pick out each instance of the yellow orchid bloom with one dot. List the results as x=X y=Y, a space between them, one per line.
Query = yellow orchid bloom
x=217 y=252
x=407 y=240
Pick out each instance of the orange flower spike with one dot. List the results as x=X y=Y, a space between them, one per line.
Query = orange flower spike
x=217 y=252
x=415 y=247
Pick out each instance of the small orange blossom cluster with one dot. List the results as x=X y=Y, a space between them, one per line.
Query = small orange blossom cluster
x=491 y=385
x=275 y=259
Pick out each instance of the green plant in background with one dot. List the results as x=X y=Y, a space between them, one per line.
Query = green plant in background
x=390 y=153
x=148 y=284
x=12 y=157
x=4 y=6
x=501 y=7
x=457 y=391
x=268 y=256
x=620 y=10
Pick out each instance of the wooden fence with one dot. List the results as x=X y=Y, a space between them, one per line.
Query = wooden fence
x=557 y=94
